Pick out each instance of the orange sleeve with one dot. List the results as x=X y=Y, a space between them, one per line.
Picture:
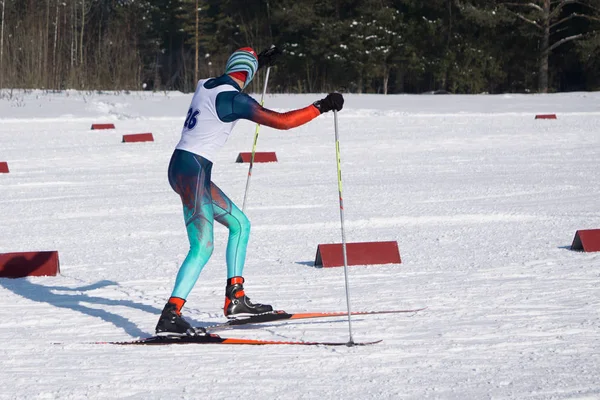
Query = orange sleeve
x=287 y=120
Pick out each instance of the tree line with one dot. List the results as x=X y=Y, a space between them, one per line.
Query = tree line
x=357 y=46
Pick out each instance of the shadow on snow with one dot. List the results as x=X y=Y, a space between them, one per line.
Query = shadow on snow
x=74 y=298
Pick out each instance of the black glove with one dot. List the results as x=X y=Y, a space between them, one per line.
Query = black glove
x=333 y=101
x=268 y=57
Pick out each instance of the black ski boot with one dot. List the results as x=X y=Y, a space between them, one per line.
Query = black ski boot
x=237 y=304
x=171 y=323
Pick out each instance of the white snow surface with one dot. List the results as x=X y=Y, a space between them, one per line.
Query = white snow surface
x=483 y=200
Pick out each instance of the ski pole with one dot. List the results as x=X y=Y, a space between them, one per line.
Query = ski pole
x=262 y=101
x=339 y=174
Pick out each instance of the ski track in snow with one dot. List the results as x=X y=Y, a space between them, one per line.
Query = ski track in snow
x=483 y=200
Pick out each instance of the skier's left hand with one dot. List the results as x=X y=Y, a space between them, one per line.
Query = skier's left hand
x=268 y=57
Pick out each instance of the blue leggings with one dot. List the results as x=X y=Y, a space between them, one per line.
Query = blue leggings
x=203 y=203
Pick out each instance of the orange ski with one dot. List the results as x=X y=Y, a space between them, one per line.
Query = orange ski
x=216 y=339
x=281 y=315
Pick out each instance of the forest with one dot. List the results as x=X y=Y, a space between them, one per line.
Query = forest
x=351 y=46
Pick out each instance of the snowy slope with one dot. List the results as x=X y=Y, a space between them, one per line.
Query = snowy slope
x=483 y=200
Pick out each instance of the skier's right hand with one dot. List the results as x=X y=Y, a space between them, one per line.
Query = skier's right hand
x=333 y=101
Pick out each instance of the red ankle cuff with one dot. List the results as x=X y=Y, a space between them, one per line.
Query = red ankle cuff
x=235 y=280
x=179 y=302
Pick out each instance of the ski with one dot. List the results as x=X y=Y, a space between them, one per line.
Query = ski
x=274 y=316
x=281 y=315
x=216 y=339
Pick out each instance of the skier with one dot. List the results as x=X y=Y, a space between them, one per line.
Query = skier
x=216 y=106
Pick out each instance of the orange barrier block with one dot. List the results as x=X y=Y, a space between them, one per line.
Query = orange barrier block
x=103 y=126
x=587 y=240
x=258 y=157
x=20 y=265
x=545 y=116
x=362 y=253
x=138 y=137
x=4 y=167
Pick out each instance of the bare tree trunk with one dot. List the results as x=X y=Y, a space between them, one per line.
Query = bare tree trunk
x=184 y=72
x=196 y=66
x=38 y=79
x=156 y=73
x=2 y=46
x=45 y=80
x=269 y=21
x=73 y=36
x=62 y=60
x=359 y=90
x=54 y=75
x=386 y=79
x=100 y=37
x=544 y=49
x=82 y=30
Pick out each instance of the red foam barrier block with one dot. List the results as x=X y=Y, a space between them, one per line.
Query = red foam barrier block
x=362 y=253
x=545 y=116
x=138 y=137
x=258 y=157
x=587 y=240
x=20 y=265
x=103 y=126
x=4 y=167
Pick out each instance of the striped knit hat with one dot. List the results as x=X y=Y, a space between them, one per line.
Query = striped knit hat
x=243 y=60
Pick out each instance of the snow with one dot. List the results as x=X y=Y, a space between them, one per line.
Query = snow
x=483 y=200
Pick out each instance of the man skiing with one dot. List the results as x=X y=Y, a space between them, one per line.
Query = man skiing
x=216 y=106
